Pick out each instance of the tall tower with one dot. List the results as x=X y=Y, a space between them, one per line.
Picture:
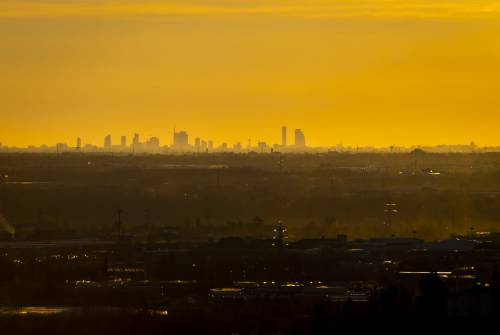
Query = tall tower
x=197 y=144
x=279 y=238
x=124 y=141
x=283 y=136
x=300 y=139
x=78 y=144
x=107 y=141
x=181 y=139
x=136 y=139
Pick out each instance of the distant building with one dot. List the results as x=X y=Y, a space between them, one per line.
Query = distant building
x=180 y=139
x=136 y=140
x=61 y=147
x=123 y=141
x=262 y=147
x=210 y=145
x=197 y=144
x=107 y=142
x=283 y=136
x=78 y=143
x=300 y=139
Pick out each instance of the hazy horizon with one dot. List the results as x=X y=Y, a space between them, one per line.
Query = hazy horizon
x=166 y=141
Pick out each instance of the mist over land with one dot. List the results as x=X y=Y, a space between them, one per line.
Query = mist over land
x=214 y=195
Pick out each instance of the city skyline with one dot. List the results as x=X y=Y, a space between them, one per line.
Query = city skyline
x=180 y=141
x=274 y=137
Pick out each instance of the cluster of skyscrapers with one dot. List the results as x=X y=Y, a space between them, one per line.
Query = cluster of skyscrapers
x=180 y=142
x=152 y=144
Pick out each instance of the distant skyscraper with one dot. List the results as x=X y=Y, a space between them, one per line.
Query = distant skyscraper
x=136 y=141
x=283 y=136
x=78 y=143
x=210 y=145
x=107 y=141
x=180 y=139
x=61 y=147
x=197 y=144
x=124 y=141
x=300 y=139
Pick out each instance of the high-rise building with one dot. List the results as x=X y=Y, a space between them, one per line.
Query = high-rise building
x=136 y=141
x=283 y=136
x=61 y=147
x=107 y=141
x=300 y=139
x=78 y=143
x=180 y=139
x=197 y=144
x=210 y=145
x=124 y=141
x=262 y=146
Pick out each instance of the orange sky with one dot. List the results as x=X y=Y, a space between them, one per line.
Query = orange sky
x=360 y=72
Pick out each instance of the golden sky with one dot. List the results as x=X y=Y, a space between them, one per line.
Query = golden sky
x=360 y=72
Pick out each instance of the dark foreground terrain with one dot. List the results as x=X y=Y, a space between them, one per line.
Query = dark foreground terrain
x=248 y=243
x=76 y=195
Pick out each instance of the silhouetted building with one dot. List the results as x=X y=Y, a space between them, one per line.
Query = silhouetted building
x=283 y=136
x=78 y=143
x=262 y=147
x=124 y=141
x=136 y=141
x=197 y=144
x=61 y=147
x=107 y=142
x=180 y=139
x=300 y=139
